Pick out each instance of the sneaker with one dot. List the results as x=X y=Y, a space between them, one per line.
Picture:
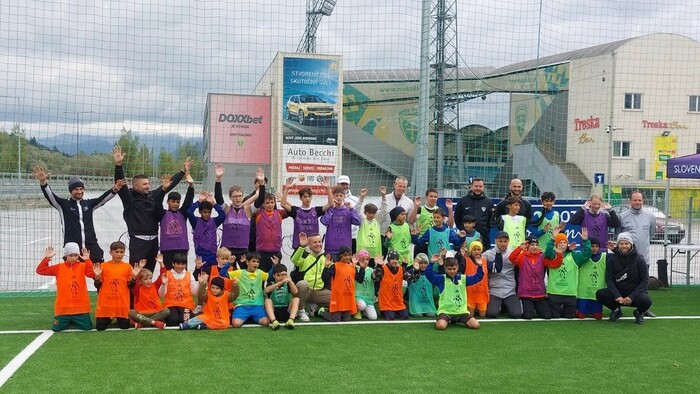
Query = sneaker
x=289 y=324
x=202 y=326
x=159 y=324
x=358 y=315
x=303 y=316
x=615 y=315
x=320 y=311
x=183 y=326
x=275 y=325
x=137 y=325
x=649 y=313
x=638 y=317
x=313 y=308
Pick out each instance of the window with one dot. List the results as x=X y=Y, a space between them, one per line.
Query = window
x=633 y=101
x=621 y=148
x=694 y=104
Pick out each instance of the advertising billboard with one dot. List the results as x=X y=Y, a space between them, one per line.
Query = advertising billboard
x=311 y=113
x=239 y=129
x=311 y=106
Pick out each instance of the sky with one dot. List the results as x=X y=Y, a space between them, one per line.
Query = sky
x=122 y=64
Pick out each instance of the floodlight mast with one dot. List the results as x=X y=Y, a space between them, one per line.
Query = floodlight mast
x=315 y=11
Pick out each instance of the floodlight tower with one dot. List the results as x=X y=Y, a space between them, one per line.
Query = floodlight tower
x=315 y=10
x=439 y=106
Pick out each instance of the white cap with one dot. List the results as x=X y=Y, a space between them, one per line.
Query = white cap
x=344 y=179
x=71 y=248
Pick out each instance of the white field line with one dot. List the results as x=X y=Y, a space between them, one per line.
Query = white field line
x=19 y=359
x=364 y=322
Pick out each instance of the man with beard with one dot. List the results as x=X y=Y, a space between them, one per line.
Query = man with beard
x=478 y=205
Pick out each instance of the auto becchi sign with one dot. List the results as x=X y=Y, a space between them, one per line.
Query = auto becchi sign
x=239 y=129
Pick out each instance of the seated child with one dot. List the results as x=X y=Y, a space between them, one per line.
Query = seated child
x=478 y=293
x=72 y=302
x=282 y=302
x=390 y=275
x=562 y=282
x=148 y=310
x=591 y=278
x=116 y=277
x=421 y=301
x=532 y=263
x=501 y=280
x=215 y=299
x=365 y=296
x=452 y=305
x=250 y=303
x=177 y=288
x=342 y=277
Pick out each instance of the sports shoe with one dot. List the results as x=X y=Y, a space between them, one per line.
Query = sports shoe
x=649 y=313
x=275 y=325
x=303 y=316
x=183 y=326
x=313 y=308
x=159 y=324
x=358 y=315
x=289 y=324
x=137 y=325
x=615 y=315
x=320 y=311
x=638 y=317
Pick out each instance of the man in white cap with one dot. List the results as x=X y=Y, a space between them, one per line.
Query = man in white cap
x=627 y=278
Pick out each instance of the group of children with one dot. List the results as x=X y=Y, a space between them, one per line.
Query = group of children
x=235 y=286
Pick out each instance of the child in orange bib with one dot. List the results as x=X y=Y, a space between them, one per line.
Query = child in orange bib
x=216 y=315
x=148 y=310
x=72 y=303
x=177 y=288
x=477 y=294
x=342 y=277
x=390 y=275
x=115 y=276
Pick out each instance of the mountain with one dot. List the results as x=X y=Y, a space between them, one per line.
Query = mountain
x=66 y=143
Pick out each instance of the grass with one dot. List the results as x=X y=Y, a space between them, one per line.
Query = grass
x=556 y=356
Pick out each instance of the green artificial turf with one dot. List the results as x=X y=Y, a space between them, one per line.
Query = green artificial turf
x=12 y=344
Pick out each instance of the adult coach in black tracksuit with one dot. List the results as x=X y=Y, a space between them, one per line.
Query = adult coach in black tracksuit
x=76 y=212
x=479 y=206
x=143 y=210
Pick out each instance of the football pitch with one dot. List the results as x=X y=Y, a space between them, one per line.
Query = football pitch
x=504 y=355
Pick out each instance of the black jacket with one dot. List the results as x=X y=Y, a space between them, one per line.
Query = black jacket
x=480 y=207
x=626 y=275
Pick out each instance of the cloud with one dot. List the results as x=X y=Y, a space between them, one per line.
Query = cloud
x=154 y=63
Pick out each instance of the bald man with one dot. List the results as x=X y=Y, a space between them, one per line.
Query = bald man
x=515 y=190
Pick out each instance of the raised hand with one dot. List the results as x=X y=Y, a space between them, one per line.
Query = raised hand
x=41 y=175
x=363 y=263
x=50 y=252
x=418 y=201
x=524 y=245
x=355 y=260
x=118 y=185
x=415 y=230
x=547 y=227
x=572 y=246
x=435 y=257
x=85 y=255
x=118 y=155
x=188 y=178
x=187 y=164
x=328 y=260
x=210 y=198
x=448 y=203
x=275 y=260
x=326 y=182
x=388 y=233
x=165 y=181
x=382 y=190
x=97 y=270
x=584 y=233
x=203 y=278
x=289 y=182
x=138 y=267
x=260 y=176
x=379 y=260
x=164 y=279
x=219 y=171
x=363 y=192
x=203 y=196
x=198 y=263
x=159 y=259
x=303 y=239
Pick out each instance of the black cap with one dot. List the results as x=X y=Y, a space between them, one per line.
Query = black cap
x=218 y=282
x=532 y=239
x=502 y=234
x=344 y=250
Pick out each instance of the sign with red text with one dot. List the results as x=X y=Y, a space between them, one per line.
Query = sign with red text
x=239 y=129
x=308 y=165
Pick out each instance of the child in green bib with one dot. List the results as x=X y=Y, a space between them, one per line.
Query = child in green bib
x=365 y=296
x=282 y=301
x=452 y=305
x=420 y=292
x=512 y=223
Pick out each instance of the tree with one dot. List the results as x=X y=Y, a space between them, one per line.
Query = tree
x=167 y=163
x=130 y=144
x=193 y=150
